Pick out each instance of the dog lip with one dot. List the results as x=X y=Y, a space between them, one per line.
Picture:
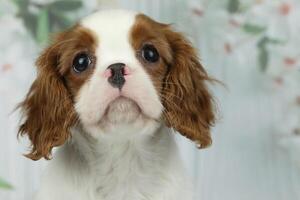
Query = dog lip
x=120 y=98
x=139 y=107
x=105 y=119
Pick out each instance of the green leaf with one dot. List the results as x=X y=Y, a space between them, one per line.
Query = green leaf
x=21 y=3
x=262 y=42
x=27 y=17
x=233 y=6
x=253 y=29
x=5 y=185
x=263 y=54
x=64 y=22
x=42 y=29
x=30 y=22
x=263 y=59
x=275 y=41
x=66 y=5
x=60 y=21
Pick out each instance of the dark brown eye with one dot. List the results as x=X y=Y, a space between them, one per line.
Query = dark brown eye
x=81 y=62
x=150 y=53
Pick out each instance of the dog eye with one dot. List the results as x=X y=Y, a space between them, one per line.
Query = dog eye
x=81 y=62
x=150 y=53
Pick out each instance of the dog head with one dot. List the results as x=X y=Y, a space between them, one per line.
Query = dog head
x=113 y=69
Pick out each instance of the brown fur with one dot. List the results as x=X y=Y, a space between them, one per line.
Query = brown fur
x=48 y=107
x=180 y=79
x=146 y=31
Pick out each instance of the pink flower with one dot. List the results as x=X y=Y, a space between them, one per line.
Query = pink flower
x=285 y=8
x=298 y=100
x=234 y=23
x=6 y=67
x=288 y=61
x=228 y=48
x=198 y=12
x=278 y=81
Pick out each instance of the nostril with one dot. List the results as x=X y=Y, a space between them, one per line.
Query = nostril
x=122 y=71
x=116 y=78
x=126 y=71
x=117 y=68
x=107 y=73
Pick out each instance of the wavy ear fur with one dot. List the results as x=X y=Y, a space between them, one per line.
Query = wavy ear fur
x=189 y=104
x=47 y=109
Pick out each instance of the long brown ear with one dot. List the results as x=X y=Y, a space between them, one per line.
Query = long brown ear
x=187 y=101
x=47 y=109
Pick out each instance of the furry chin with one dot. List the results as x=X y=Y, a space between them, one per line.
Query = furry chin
x=122 y=110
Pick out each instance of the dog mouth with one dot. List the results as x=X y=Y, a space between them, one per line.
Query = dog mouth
x=122 y=110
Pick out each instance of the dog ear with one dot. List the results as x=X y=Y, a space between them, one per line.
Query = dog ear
x=47 y=109
x=188 y=103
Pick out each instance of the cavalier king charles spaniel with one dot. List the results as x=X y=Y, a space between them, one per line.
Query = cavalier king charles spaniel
x=110 y=92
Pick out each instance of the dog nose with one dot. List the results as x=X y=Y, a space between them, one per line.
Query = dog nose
x=117 y=79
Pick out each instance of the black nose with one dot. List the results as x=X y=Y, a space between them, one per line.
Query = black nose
x=117 y=79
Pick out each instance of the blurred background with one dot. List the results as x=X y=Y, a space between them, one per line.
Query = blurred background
x=253 y=46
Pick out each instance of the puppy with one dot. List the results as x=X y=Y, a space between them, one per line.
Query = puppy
x=109 y=92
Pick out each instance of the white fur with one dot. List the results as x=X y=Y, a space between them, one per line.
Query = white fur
x=112 y=28
x=132 y=168
x=121 y=150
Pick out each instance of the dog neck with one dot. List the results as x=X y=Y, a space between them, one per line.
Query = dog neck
x=131 y=164
x=107 y=148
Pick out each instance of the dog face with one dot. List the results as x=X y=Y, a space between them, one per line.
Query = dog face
x=116 y=69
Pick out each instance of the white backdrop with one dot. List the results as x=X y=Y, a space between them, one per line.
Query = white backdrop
x=246 y=160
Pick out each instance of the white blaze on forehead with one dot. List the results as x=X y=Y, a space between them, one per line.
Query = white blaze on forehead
x=112 y=28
